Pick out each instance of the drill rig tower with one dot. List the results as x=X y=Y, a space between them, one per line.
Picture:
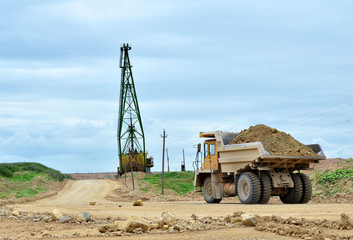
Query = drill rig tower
x=131 y=138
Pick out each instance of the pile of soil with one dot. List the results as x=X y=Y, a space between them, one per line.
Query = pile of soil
x=274 y=141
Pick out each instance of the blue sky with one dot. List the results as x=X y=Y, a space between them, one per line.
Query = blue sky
x=197 y=66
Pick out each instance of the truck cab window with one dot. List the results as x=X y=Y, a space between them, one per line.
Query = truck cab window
x=212 y=149
x=206 y=150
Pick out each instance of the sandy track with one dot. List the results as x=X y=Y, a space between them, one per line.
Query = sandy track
x=76 y=196
x=81 y=192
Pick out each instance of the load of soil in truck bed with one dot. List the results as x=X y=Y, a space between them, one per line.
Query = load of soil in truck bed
x=274 y=141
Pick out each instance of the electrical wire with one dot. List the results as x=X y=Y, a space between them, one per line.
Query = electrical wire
x=318 y=110
x=302 y=123
x=319 y=117
x=328 y=127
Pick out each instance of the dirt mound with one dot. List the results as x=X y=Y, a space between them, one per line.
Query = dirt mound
x=92 y=176
x=274 y=141
x=307 y=228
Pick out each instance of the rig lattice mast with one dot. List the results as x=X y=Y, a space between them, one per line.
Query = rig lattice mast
x=131 y=139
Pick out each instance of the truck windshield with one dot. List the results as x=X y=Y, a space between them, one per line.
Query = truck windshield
x=206 y=149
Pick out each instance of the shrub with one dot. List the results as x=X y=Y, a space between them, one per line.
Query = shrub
x=68 y=176
x=55 y=174
x=5 y=171
x=336 y=176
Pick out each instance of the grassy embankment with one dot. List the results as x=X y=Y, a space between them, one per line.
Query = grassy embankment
x=26 y=179
x=179 y=182
x=329 y=182
x=326 y=183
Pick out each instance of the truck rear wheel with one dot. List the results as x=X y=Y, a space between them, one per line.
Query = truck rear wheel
x=307 y=188
x=249 y=188
x=266 y=188
x=294 y=195
x=207 y=191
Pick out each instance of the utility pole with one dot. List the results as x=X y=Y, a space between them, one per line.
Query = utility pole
x=167 y=158
x=164 y=137
x=183 y=163
x=125 y=170
x=132 y=174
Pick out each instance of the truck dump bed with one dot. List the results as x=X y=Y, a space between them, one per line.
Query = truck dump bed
x=239 y=156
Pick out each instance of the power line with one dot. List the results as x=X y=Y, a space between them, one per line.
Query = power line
x=318 y=110
x=318 y=117
x=302 y=123
x=333 y=125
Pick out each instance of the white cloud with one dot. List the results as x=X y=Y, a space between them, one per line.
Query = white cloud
x=48 y=72
x=98 y=13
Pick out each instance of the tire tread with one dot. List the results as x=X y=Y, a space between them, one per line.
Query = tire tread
x=307 y=188
x=266 y=188
x=256 y=188
x=209 y=199
x=294 y=194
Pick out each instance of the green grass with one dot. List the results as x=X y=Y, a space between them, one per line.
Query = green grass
x=27 y=191
x=179 y=182
x=330 y=182
x=24 y=177
x=333 y=177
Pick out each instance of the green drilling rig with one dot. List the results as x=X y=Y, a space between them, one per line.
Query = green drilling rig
x=131 y=138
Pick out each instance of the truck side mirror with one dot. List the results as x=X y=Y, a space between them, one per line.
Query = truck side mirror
x=199 y=147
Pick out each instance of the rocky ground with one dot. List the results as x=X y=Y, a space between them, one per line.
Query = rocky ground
x=104 y=209
x=56 y=225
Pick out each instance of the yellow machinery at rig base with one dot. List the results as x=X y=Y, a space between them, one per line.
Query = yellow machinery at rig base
x=139 y=162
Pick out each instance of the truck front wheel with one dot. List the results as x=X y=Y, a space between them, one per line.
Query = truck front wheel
x=207 y=191
x=249 y=188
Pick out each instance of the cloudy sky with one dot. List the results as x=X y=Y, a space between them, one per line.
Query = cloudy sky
x=197 y=66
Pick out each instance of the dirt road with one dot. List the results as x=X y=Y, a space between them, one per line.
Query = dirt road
x=76 y=196
x=76 y=193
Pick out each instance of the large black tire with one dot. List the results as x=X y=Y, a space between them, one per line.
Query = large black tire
x=266 y=188
x=294 y=195
x=207 y=191
x=307 y=188
x=249 y=188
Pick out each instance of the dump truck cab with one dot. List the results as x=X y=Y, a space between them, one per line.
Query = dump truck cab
x=210 y=155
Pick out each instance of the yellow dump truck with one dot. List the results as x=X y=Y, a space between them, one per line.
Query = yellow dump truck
x=248 y=171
